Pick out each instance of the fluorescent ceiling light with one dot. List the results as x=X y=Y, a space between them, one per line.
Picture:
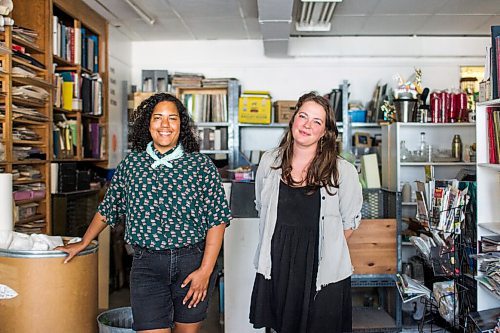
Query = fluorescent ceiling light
x=315 y=15
x=144 y=16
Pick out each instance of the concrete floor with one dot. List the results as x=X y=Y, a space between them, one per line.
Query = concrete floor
x=121 y=298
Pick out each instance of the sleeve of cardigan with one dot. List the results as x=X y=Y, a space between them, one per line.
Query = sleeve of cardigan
x=350 y=195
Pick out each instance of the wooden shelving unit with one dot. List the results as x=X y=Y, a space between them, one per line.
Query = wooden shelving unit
x=37 y=15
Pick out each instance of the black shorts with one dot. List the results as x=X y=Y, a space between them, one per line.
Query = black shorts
x=155 y=287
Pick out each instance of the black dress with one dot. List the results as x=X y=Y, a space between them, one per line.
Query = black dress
x=288 y=302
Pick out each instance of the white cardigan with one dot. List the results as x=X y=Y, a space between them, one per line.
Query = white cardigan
x=339 y=212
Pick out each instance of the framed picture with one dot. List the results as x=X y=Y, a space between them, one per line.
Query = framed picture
x=362 y=139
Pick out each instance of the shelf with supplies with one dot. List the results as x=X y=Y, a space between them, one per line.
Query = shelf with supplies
x=34 y=98
x=488 y=189
x=26 y=131
x=404 y=160
x=214 y=110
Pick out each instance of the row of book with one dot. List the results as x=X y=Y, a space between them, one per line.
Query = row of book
x=75 y=45
x=212 y=138
x=206 y=108
x=82 y=93
x=489 y=263
x=64 y=136
x=493 y=122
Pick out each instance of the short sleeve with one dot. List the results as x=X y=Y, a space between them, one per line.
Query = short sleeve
x=216 y=207
x=350 y=195
x=113 y=207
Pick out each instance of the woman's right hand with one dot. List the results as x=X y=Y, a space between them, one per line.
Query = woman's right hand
x=71 y=249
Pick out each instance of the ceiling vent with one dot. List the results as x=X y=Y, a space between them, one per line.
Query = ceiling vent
x=315 y=15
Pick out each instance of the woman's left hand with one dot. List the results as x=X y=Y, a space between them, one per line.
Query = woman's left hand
x=198 y=281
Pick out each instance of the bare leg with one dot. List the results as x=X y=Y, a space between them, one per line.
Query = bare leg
x=187 y=328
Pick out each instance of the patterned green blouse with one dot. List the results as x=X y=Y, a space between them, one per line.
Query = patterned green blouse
x=165 y=208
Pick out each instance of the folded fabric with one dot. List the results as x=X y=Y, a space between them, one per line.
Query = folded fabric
x=22 y=242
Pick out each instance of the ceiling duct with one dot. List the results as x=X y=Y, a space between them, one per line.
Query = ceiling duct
x=315 y=15
x=275 y=18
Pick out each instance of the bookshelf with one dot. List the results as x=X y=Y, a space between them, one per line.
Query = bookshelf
x=214 y=111
x=25 y=101
x=488 y=192
x=31 y=71
x=79 y=48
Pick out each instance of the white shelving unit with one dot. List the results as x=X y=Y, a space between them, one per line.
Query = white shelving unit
x=395 y=172
x=488 y=195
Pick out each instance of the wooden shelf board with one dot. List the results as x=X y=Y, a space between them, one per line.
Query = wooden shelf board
x=27 y=102
x=30 y=181
x=26 y=45
x=31 y=218
x=30 y=162
x=32 y=81
x=20 y=61
x=64 y=63
x=65 y=160
x=491 y=226
x=30 y=122
x=91 y=116
x=28 y=142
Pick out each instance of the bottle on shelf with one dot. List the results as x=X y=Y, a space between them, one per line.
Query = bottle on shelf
x=456 y=147
x=404 y=152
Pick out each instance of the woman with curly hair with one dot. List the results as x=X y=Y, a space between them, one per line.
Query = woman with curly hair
x=309 y=202
x=175 y=216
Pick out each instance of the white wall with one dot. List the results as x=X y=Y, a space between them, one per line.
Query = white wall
x=120 y=64
x=319 y=64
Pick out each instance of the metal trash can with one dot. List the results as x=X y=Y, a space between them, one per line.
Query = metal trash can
x=117 y=320
x=52 y=296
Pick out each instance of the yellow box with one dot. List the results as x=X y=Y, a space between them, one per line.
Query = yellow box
x=254 y=110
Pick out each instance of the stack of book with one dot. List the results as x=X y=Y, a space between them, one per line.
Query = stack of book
x=489 y=263
x=187 y=80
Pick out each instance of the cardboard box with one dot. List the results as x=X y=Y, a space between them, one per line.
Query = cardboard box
x=254 y=109
x=135 y=99
x=283 y=111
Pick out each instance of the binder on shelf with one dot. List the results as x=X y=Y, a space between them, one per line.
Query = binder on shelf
x=495 y=61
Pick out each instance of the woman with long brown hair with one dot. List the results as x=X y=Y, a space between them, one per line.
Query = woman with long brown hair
x=309 y=201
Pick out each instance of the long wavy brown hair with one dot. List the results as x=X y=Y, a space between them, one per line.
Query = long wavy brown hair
x=322 y=171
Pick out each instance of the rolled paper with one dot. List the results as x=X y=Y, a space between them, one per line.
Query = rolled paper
x=6 y=207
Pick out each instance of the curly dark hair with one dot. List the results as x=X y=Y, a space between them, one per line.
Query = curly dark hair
x=140 y=136
x=323 y=169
